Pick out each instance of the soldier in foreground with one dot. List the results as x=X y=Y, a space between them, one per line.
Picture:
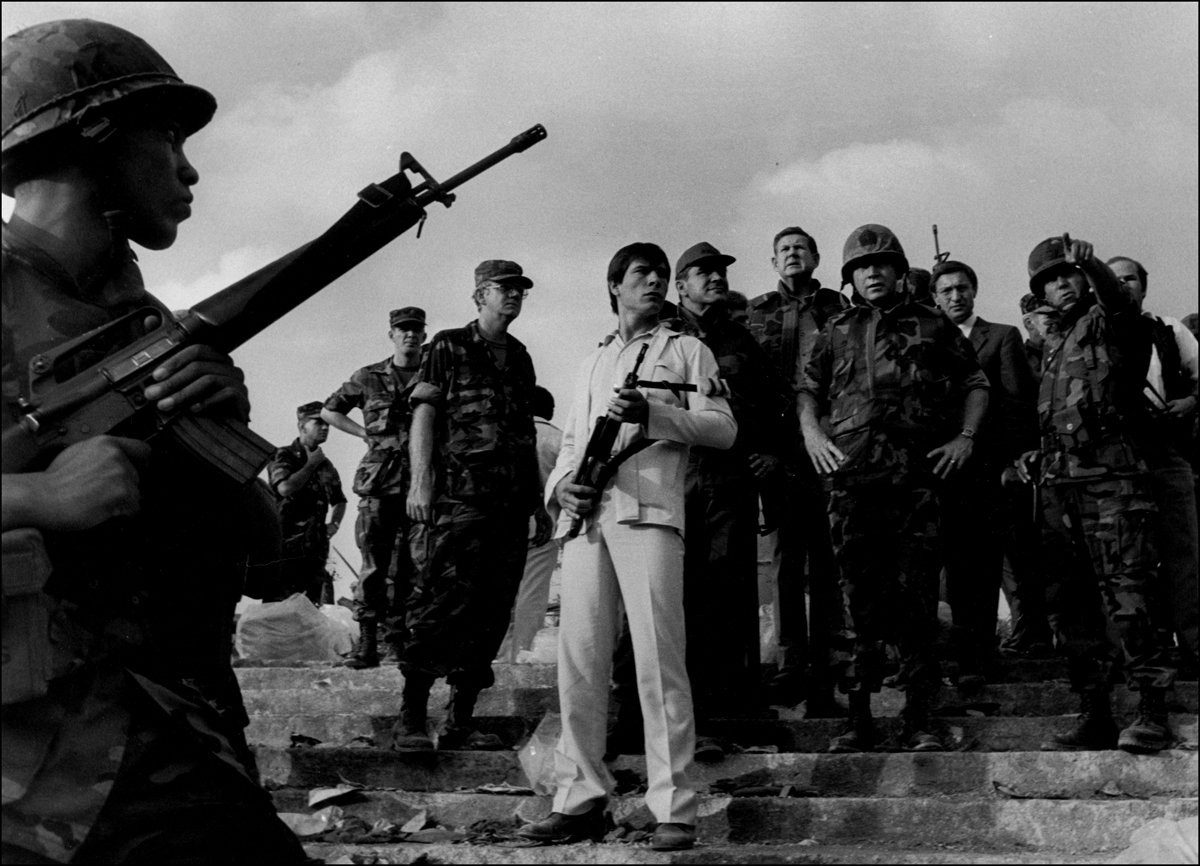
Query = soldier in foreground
x=975 y=506
x=1097 y=508
x=131 y=748
x=904 y=396
x=474 y=486
x=631 y=549
x=307 y=486
x=381 y=391
x=786 y=323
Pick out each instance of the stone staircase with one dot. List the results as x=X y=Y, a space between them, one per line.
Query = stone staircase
x=994 y=798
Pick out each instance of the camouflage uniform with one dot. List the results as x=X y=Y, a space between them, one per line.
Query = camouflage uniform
x=302 y=517
x=143 y=716
x=469 y=561
x=886 y=414
x=381 y=482
x=787 y=327
x=1097 y=511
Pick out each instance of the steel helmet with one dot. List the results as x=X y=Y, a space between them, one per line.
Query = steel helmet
x=1048 y=254
x=872 y=240
x=56 y=73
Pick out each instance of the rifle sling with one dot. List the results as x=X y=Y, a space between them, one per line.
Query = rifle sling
x=610 y=468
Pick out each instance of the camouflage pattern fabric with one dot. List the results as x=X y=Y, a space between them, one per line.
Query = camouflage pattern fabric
x=379 y=392
x=144 y=601
x=469 y=563
x=486 y=444
x=894 y=382
x=885 y=541
x=385 y=581
x=302 y=517
x=1088 y=381
x=1098 y=535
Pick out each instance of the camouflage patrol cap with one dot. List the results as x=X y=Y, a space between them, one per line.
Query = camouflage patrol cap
x=405 y=315
x=870 y=241
x=501 y=271
x=309 y=411
x=1050 y=253
x=57 y=74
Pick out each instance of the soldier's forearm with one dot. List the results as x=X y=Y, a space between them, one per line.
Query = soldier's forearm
x=420 y=443
x=975 y=408
x=806 y=411
x=344 y=423
x=296 y=480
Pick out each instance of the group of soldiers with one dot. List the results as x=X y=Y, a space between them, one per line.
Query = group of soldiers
x=889 y=436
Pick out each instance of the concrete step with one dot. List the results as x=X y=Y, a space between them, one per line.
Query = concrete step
x=633 y=854
x=997 y=825
x=1084 y=775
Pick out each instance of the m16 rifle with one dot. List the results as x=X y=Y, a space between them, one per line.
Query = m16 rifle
x=107 y=398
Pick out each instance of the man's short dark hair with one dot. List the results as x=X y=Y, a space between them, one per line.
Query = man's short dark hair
x=941 y=269
x=653 y=255
x=736 y=301
x=795 y=230
x=1141 y=272
x=541 y=403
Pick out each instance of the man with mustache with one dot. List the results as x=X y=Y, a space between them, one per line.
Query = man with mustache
x=307 y=485
x=904 y=397
x=974 y=507
x=381 y=391
x=1098 y=511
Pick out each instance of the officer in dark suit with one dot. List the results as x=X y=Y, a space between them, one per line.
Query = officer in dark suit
x=975 y=513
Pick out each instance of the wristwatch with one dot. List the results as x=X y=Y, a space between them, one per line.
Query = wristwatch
x=969 y=432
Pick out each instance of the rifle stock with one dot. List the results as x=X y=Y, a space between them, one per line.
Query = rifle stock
x=107 y=397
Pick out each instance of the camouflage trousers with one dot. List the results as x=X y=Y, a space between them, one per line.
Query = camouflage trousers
x=1097 y=541
x=468 y=565
x=385 y=581
x=885 y=543
x=303 y=566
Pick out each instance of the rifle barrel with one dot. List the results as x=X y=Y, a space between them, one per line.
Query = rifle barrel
x=425 y=195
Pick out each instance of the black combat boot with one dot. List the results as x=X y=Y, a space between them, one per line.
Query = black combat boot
x=368 y=647
x=459 y=733
x=859 y=733
x=1150 y=731
x=916 y=731
x=1094 y=732
x=409 y=734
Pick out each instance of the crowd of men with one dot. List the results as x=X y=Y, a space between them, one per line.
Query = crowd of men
x=889 y=434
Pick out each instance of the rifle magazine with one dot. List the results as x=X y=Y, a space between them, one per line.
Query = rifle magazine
x=224 y=444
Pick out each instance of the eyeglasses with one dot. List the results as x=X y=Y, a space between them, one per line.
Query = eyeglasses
x=511 y=291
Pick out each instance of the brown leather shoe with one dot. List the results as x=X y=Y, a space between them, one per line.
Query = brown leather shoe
x=673 y=837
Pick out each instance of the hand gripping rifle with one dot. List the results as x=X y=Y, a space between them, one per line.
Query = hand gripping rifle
x=599 y=463
x=107 y=397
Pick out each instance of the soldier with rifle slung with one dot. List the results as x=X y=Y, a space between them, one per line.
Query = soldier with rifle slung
x=123 y=737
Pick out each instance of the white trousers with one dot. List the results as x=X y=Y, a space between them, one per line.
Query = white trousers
x=643 y=565
x=529 y=612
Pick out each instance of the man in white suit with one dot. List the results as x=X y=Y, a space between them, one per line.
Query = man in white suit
x=630 y=549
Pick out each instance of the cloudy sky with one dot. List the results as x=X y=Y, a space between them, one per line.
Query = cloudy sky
x=1002 y=123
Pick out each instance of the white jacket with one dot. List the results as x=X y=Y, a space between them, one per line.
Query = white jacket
x=648 y=487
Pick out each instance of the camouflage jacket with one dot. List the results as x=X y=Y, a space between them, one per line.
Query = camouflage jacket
x=486 y=445
x=140 y=603
x=302 y=515
x=893 y=382
x=757 y=395
x=787 y=328
x=1090 y=394
x=378 y=391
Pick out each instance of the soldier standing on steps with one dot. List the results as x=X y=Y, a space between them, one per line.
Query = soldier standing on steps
x=307 y=486
x=381 y=392
x=904 y=396
x=128 y=744
x=1098 y=510
x=474 y=486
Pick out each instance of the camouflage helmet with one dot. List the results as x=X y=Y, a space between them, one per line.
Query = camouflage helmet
x=57 y=73
x=871 y=240
x=1048 y=254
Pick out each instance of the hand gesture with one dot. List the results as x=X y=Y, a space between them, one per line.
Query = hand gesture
x=1077 y=252
x=629 y=405
x=764 y=465
x=88 y=483
x=826 y=456
x=199 y=378
x=951 y=456
x=577 y=499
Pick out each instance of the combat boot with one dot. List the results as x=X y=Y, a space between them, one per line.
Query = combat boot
x=459 y=733
x=915 y=731
x=409 y=734
x=1094 y=732
x=368 y=647
x=1150 y=731
x=859 y=733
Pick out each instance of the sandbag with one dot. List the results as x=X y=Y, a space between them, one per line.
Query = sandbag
x=291 y=630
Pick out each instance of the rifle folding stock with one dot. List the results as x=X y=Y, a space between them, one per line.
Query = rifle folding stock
x=107 y=398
